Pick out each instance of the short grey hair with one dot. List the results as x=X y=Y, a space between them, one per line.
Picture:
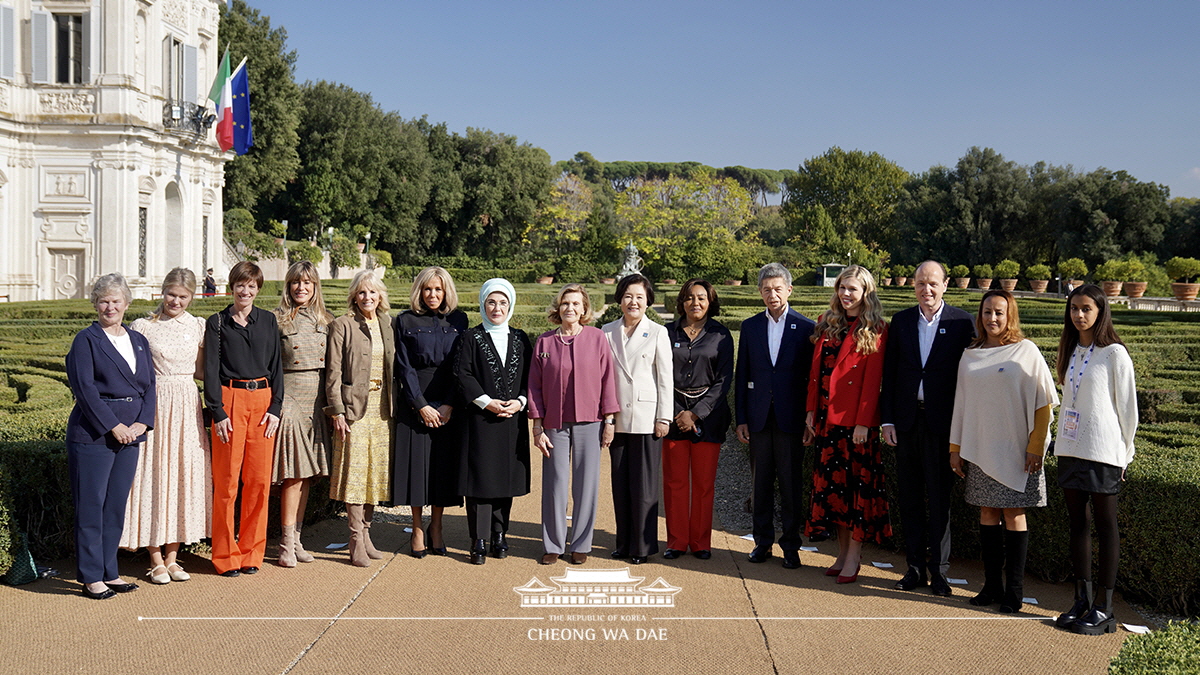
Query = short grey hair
x=774 y=271
x=110 y=284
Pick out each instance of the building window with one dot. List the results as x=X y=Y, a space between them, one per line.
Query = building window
x=142 y=241
x=61 y=45
x=180 y=69
x=68 y=40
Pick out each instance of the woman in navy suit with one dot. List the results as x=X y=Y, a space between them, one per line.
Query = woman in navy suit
x=112 y=377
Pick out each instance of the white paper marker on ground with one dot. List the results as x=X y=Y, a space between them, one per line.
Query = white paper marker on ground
x=882 y=565
x=810 y=549
x=1140 y=630
x=960 y=582
x=336 y=547
x=1029 y=601
x=408 y=529
x=748 y=537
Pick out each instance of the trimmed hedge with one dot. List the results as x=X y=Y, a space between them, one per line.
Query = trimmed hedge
x=1174 y=650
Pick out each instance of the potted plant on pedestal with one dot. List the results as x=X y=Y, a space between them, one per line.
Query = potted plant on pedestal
x=1135 y=278
x=1008 y=270
x=1039 y=277
x=1184 y=272
x=983 y=276
x=1111 y=274
x=1073 y=270
x=900 y=274
x=885 y=276
x=961 y=275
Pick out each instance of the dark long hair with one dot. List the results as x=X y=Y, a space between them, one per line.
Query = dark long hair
x=1103 y=332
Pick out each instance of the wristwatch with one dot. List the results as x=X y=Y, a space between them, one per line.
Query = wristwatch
x=610 y=420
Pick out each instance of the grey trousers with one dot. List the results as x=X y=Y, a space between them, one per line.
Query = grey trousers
x=575 y=457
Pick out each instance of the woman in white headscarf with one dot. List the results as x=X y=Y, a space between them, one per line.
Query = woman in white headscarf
x=491 y=365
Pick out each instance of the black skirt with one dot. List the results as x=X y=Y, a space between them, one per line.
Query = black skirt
x=1089 y=476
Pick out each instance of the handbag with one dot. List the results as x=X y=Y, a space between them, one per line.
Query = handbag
x=23 y=569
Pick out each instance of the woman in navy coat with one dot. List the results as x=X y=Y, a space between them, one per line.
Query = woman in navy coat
x=111 y=374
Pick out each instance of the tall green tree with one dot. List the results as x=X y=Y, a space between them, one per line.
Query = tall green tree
x=253 y=179
x=1182 y=237
x=562 y=220
x=860 y=191
x=363 y=170
x=1104 y=214
x=988 y=199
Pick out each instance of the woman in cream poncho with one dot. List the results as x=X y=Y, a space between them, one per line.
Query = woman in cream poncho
x=998 y=438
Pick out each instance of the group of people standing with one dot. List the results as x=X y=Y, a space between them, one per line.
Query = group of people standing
x=424 y=411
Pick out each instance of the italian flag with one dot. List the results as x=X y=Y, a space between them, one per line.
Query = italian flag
x=222 y=97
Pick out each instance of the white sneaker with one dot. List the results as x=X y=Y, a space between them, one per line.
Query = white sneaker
x=157 y=577
x=177 y=573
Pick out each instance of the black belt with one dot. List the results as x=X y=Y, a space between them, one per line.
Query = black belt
x=248 y=384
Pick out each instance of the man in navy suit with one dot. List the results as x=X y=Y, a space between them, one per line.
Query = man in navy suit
x=774 y=356
x=920 y=371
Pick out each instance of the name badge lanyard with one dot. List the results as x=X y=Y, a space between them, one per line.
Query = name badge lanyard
x=1083 y=368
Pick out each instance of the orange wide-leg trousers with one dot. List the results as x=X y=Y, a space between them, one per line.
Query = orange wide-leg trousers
x=246 y=457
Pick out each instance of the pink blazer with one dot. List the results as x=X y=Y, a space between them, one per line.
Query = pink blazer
x=594 y=393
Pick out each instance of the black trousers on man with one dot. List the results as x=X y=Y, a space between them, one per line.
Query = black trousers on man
x=776 y=454
x=923 y=475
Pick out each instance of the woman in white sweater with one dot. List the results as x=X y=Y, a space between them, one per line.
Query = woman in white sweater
x=1094 y=445
x=998 y=437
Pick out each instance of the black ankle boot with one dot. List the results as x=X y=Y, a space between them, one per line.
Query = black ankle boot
x=1083 y=600
x=478 y=552
x=499 y=545
x=1099 y=619
x=1016 y=546
x=991 y=544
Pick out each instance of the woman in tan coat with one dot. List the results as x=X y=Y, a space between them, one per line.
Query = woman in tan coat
x=358 y=386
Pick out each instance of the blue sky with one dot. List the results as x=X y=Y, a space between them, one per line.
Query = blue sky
x=770 y=84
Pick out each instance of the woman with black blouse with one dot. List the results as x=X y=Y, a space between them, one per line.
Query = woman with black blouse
x=424 y=470
x=702 y=355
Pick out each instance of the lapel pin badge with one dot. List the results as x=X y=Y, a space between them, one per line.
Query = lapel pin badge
x=941 y=331
x=1001 y=370
x=645 y=334
x=793 y=326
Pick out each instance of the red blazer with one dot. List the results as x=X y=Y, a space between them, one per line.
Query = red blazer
x=854 y=386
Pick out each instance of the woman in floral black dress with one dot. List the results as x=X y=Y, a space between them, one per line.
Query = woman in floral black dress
x=843 y=417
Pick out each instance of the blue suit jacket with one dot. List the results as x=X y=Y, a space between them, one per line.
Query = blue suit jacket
x=759 y=386
x=903 y=371
x=95 y=371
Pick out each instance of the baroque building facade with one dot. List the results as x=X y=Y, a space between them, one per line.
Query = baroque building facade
x=108 y=162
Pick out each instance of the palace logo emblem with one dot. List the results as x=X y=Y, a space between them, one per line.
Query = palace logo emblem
x=597 y=587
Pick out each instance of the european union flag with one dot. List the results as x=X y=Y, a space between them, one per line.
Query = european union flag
x=243 y=130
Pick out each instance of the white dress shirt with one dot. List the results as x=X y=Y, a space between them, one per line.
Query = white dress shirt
x=775 y=333
x=926 y=332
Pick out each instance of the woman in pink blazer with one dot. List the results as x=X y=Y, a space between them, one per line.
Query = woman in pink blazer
x=572 y=402
x=843 y=418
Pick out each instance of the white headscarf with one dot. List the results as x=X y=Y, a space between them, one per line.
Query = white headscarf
x=497 y=331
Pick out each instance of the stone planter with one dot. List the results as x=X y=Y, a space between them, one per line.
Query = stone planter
x=361 y=247
x=1038 y=285
x=670 y=282
x=983 y=284
x=1008 y=284
x=1185 y=292
x=733 y=282
x=1135 y=289
x=1112 y=289
x=608 y=281
x=886 y=281
x=900 y=281
x=962 y=282
x=545 y=280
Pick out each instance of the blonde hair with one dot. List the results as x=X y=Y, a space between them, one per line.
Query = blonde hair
x=367 y=278
x=834 y=324
x=449 y=300
x=301 y=270
x=552 y=311
x=181 y=277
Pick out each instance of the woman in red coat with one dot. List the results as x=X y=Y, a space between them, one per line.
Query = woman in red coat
x=843 y=418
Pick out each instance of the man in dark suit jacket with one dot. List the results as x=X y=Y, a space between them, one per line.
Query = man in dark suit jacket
x=920 y=372
x=774 y=355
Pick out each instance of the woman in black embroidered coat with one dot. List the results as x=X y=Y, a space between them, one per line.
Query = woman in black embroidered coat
x=491 y=365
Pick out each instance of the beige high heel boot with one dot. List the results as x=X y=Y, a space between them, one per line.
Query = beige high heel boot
x=358 y=547
x=369 y=513
x=301 y=555
x=287 y=556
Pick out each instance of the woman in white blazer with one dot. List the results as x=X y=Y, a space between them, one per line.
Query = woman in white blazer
x=642 y=354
